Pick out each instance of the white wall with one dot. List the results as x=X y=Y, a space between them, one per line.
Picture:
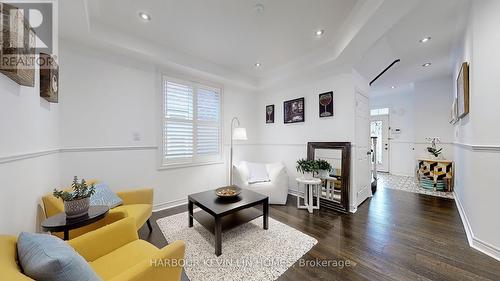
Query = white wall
x=401 y=116
x=106 y=100
x=421 y=110
x=288 y=142
x=29 y=165
x=477 y=137
x=433 y=101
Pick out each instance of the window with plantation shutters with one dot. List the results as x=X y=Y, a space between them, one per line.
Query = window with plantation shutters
x=191 y=123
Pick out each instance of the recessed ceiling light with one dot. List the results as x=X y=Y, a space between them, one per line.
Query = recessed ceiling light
x=144 y=16
x=319 y=32
x=425 y=39
x=259 y=8
x=392 y=87
x=426 y=64
x=257 y=64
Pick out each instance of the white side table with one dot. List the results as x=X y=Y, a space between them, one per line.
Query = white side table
x=309 y=187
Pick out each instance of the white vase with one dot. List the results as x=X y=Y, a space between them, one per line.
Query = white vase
x=323 y=174
x=307 y=176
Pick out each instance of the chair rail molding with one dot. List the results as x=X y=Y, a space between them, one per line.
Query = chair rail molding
x=107 y=148
x=478 y=147
x=29 y=155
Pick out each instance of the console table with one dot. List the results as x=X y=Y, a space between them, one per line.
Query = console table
x=436 y=169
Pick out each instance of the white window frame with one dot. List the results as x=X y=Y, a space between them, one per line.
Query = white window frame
x=195 y=160
x=379 y=111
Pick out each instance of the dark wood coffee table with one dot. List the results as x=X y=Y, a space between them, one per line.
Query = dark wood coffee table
x=218 y=215
x=59 y=222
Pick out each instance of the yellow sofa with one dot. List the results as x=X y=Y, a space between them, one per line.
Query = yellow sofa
x=137 y=203
x=114 y=252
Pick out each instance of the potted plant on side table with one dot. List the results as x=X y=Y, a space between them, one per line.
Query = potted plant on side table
x=76 y=203
x=324 y=168
x=307 y=168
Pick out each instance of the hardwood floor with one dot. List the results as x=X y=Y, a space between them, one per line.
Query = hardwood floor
x=395 y=235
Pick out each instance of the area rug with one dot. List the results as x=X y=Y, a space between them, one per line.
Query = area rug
x=408 y=184
x=248 y=251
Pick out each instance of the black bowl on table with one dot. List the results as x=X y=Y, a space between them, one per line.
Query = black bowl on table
x=228 y=192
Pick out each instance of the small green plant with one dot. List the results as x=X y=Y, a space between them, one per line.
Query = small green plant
x=306 y=166
x=323 y=165
x=80 y=191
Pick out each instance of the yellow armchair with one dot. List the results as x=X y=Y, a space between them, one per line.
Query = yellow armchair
x=137 y=203
x=114 y=252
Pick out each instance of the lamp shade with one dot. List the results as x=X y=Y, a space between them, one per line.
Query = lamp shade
x=240 y=134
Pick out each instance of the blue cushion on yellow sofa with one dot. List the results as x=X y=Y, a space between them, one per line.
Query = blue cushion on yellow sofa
x=105 y=196
x=46 y=257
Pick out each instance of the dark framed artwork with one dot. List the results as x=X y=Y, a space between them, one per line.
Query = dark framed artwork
x=17 y=46
x=293 y=111
x=269 y=113
x=49 y=78
x=326 y=104
x=463 y=90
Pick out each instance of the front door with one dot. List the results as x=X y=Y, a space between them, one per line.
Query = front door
x=380 y=129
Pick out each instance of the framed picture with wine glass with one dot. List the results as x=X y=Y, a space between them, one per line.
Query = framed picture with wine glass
x=326 y=104
x=269 y=113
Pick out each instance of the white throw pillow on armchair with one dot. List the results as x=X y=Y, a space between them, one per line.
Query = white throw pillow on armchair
x=257 y=173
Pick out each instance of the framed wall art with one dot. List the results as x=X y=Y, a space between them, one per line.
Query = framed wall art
x=17 y=41
x=326 y=104
x=49 y=78
x=454 y=114
x=269 y=113
x=463 y=90
x=293 y=111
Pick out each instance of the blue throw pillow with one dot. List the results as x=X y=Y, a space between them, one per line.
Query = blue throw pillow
x=105 y=196
x=46 y=257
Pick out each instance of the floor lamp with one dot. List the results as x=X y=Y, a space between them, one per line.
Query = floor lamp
x=237 y=133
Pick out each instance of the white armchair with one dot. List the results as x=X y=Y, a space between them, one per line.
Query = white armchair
x=276 y=188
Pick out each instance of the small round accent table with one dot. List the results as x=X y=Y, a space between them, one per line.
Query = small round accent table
x=59 y=222
x=312 y=187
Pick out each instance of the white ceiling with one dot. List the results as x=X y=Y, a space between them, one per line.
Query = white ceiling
x=442 y=20
x=230 y=33
x=226 y=37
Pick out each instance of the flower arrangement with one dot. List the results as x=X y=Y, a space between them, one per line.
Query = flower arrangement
x=433 y=148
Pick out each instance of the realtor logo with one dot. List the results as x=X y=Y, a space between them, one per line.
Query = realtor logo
x=27 y=25
x=27 y=39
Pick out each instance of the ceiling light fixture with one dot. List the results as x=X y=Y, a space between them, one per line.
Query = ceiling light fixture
x=257 y=64
x=259 y=8
x=426 y=64
x=319 y=32
x=144 y=16
x=392 y=87
x=425 y=39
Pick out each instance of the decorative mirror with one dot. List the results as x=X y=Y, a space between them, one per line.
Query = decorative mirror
x=335 y=185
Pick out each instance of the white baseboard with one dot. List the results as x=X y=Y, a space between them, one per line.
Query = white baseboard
x=294 y=192
x=169 y=204
x=474 y=242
